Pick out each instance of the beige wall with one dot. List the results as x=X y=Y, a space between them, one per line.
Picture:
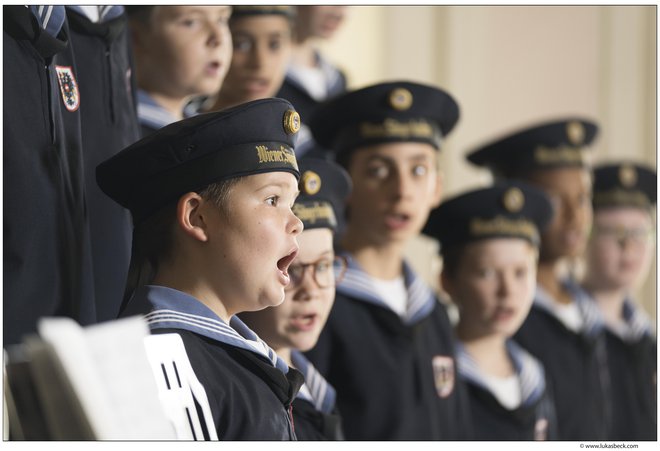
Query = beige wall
x=512 y=65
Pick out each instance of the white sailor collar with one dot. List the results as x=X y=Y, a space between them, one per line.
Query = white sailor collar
x=528 y=369
x=152 y=114
x=592 y=322
x=359 y=285
x=173 y=309
x=323 y=395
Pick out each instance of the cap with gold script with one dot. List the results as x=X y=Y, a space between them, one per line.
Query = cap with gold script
x=188 y=155
x=238 y=11
x=324 y=187
x=624 y=184
x=505 y=210
x=554 y=144
x=387 y=112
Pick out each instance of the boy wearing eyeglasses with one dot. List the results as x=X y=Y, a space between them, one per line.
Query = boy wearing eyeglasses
x=294 y=326
x=618 y=258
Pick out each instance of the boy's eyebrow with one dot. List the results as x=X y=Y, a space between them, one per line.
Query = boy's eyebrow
x=388 y=159
x=282 y=185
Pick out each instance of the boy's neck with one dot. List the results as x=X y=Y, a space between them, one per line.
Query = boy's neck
x=610 y=301
x=177 y=280
x=489 y=352
x=548 y=277
x=173 y=105
x=382 y=262
x=304 y=54
x=285 y=354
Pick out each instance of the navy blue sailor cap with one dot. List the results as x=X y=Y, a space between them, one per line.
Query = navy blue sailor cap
x=624 y=184
x=324 y=187
x=238 y=11
x=399 y=111
x=548 y=145
x=188 y=155
x=504 y=210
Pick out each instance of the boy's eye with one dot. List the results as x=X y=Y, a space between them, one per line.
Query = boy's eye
x=323 y=266
x=273 y=201
x=521 y=273
x=242 y=44
x=485 y=273
x=419 y=170
x=379 y=172
x=275 y=44
x=189 y=22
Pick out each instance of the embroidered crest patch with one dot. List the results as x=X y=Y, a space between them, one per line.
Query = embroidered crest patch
x=443 y=375
x=68 y=87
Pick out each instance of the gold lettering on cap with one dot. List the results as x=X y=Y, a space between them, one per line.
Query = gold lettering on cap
x=504 y=226
x=316 y=212
x=557 y=155
x=621 y=197
x=281 y=155
x=628 y=176
x=391 y=128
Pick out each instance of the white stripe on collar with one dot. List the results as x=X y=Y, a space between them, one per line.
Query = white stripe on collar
x=528 y=369
x=358 y=284
x=177 y=310
x=323 y=395
x=591 y=319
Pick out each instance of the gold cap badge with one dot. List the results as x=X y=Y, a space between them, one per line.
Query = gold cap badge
x=628 y=176
x=401 y=99
x=310 y=183
x=291 y=122
x=575 y=132
x=513 y=200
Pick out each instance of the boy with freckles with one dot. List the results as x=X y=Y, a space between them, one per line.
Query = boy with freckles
x=180 y=52
x=214 y=235
x=563 y=329
x=387 y=347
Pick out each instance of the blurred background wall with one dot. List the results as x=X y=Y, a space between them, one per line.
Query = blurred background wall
x=510 y=66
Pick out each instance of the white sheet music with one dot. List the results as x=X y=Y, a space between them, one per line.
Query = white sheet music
x=109 y=370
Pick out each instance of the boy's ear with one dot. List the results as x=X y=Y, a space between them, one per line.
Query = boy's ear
x=437 y=194
x=190 y=218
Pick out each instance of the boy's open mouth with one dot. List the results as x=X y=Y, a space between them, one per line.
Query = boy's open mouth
x=284 y=262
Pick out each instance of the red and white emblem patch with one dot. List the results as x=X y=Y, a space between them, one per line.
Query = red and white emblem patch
x=68 y=87
x=443 y=375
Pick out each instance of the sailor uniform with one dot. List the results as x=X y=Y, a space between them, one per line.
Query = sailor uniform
x=575 y=360
x=315 y=415
x=250 y=390
x=631 y=344
x=306 y=95
x=153 y=116
x=632 y=359
x=533 y=419
x=109 y=123
x=47 y=265
x=395 y=377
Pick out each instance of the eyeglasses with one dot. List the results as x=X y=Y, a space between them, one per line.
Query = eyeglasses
x=326 y=272
x=637 y=236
